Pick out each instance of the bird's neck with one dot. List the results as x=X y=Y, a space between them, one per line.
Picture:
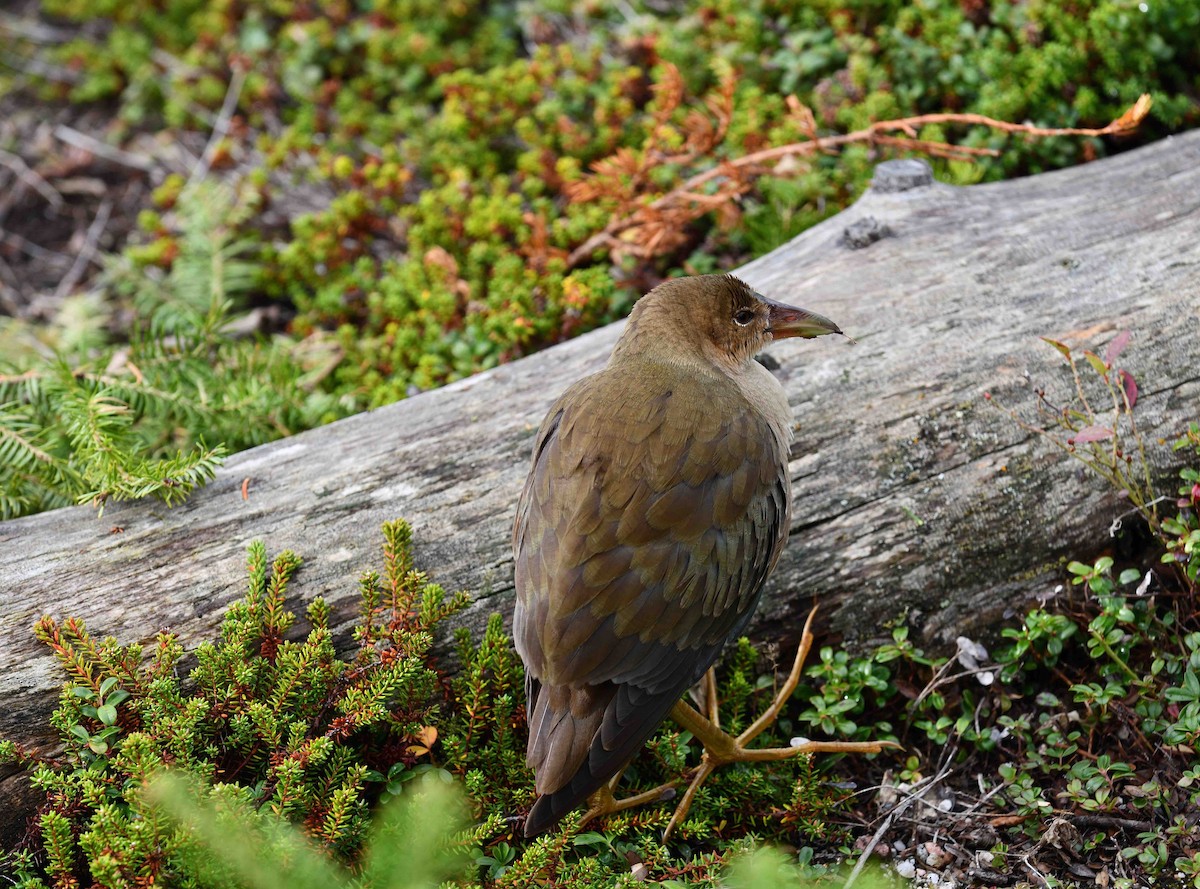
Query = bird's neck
x=645 y=342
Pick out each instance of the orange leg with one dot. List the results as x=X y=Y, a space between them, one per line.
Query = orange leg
x=603 y=802
x=721 y=748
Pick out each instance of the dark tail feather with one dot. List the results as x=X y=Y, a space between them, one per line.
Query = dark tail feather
x=601 y=764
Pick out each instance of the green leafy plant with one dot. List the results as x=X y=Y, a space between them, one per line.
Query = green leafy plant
x=123 y=421
x=414 y=842
x=272 y=729
x=264 y=721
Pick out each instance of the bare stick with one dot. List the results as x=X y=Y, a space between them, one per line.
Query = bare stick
x=9 y=285
x=31 y=178
x=33 y=30
x=31 y=249
x=95 y=230
x=900 y=809
x=878 y=133
x=38 y=68
x=221 y=127
x=64 y=133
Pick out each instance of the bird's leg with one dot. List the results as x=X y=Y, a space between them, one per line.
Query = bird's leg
x=721 y=747
x=604 y=802
x=710 y=697
x=704 y=696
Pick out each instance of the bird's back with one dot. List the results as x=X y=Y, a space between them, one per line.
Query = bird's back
x=656 y=506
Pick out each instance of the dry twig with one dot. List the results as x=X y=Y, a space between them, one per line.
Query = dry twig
x=642 y=231
x=87 y=252
x=31 y=249
x=32 y=29
x=31 y=177
x=236 y=81
x=64 y=133
x=915 y=793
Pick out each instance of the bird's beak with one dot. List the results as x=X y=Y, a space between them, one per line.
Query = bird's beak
x=792 y=321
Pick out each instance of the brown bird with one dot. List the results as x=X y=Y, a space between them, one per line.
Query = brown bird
x=657 y=503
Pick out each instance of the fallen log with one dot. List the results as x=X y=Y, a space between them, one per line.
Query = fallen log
x=912 y=494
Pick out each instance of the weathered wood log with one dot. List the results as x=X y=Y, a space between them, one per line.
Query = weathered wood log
x=912 y=494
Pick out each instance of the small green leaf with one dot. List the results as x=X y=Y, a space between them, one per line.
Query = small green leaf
x=107 y=714
x=1066 y=352
x=591 y=838
x=1097 y=363
x=1171 y=526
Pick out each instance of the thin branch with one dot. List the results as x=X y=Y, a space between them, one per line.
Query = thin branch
x=31 y=177
x=1085 y=820
x=31 y=249
x=87 y=252
x=38 y=68
x=10 y=289
x=879 y=133
x=914 y=793
x=31 y=29
x=221 y=127
x=8 y=379
x=64 y=133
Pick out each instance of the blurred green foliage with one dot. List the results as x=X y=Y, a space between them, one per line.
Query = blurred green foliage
x=85 y=419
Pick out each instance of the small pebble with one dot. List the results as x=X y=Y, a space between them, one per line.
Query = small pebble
x=906 y=868
x=933 y=855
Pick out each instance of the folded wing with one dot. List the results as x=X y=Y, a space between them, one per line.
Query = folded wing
x=643 y=538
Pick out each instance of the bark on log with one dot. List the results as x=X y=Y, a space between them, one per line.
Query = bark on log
x=911 y=493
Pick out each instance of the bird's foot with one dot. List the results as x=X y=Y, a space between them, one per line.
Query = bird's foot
x=721 y=747
x=604 y=802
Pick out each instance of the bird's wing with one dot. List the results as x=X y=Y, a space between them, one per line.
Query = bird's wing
x=643 y=537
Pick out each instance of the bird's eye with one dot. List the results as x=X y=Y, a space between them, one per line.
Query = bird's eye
x=743 y=317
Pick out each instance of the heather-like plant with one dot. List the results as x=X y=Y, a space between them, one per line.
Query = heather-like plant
x=262 y=722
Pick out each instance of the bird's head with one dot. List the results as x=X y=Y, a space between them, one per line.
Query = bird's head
x=718 y=318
